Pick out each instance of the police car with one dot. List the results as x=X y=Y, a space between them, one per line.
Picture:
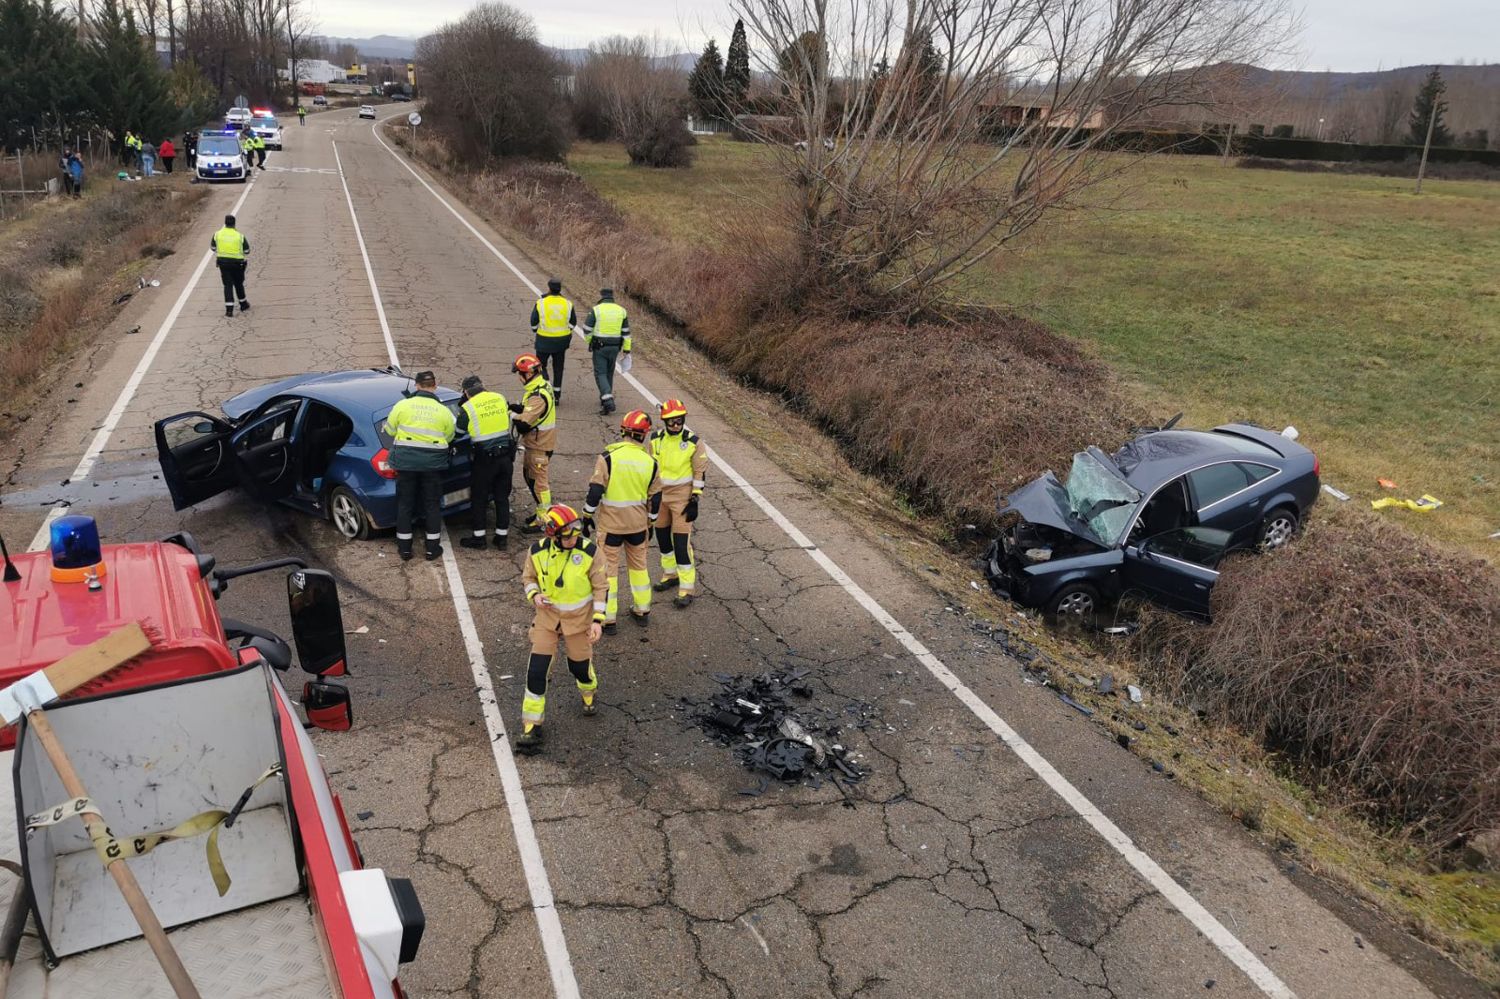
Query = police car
x=264 y=124
x=220 y=158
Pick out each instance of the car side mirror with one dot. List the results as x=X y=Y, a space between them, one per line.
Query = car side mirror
x=203 y=427
x=317 y=622
x=328 y=706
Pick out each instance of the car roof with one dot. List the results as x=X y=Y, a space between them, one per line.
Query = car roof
x=1158 y=457
x=366 y=391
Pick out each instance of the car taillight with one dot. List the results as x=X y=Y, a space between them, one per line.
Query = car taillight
x=1317 y=466
x=382 y=464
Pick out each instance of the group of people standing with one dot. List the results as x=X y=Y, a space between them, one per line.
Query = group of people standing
x=648 y=482
x=146 y=154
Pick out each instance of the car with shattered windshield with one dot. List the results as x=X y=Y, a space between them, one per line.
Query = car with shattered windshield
x=1155 y=519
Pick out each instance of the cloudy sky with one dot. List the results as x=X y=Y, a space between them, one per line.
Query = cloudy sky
x=1339 y=34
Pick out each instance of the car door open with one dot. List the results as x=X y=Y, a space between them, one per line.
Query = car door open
x=1178 y=568
x=266 y=458
x=194 y=451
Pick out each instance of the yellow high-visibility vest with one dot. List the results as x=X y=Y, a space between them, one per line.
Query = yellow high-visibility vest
x=674 y=453
x=563 y=574
x=609 y=319
x=489 y=417
x=540 y=386
x=631 y=470
x=420 y=421
x=553 y=312
x=229 y=244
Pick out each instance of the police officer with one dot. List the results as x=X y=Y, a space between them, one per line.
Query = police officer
x=133 y=147
x=683 y=461
x=230 y=250
x=258 y=147
x=564 y=580
x=536 y=425
x=485 y=417
x=301 y=115
x=422 y=428
x=552 y=320
x=626 y=492
x=607 y=330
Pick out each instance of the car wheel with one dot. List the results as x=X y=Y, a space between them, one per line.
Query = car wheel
x=1074 y=602
x=1279 y=527
x=348 y=514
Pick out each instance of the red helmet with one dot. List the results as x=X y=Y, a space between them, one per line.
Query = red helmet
x=562 y=519
x=636 y=423
x=527 y=364
x=673 y=409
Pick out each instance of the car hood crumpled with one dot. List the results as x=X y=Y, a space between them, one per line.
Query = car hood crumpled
x=1044 y=501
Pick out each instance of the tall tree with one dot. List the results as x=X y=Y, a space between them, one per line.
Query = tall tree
x=737 y=70
x=706 y=82
x=40 y=61
x=130 y=89
x=1430 y=105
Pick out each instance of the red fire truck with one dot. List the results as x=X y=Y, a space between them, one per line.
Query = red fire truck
x=258 y=880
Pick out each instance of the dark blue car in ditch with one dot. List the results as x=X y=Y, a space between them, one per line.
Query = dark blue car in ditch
x=1155 y=519
x=315 y=442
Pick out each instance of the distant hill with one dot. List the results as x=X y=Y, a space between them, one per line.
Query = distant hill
x=381 y=46
x=680 y=61
x=1473 y=94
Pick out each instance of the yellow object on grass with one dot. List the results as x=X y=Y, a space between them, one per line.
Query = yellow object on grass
x=1424 y=505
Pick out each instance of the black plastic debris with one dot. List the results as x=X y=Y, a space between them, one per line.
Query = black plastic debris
x=778 y=733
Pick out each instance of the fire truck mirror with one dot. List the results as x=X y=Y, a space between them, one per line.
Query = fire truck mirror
x=328 y=706
x=317 y=623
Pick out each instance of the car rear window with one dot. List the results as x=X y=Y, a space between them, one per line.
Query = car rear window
x=1244 y=445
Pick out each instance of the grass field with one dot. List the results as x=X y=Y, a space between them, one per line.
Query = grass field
x=1364 y=315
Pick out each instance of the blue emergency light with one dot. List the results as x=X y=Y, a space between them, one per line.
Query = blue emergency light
x=76 y=552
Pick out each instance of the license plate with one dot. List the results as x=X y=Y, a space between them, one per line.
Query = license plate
x=454 y=498
x=220 y=173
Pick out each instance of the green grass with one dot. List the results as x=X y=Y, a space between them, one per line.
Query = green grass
x=1347 y=306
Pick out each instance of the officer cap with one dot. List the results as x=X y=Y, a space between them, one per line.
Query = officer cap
x=426 y=378
x=606 y=293
x=473 y=383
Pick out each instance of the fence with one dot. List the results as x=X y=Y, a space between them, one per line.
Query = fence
x=31 y=171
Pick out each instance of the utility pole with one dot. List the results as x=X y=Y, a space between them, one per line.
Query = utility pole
x=1432 y=114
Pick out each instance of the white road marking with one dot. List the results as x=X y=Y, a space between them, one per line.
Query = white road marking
x=554 y=943
x=1201 y=919
x=112 y=420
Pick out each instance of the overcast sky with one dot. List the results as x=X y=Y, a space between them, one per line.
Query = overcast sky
x=1339 y=34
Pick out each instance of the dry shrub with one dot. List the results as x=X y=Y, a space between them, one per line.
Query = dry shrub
x=1366 y=654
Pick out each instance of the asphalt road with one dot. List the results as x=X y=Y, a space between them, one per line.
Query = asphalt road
x=1001 y=847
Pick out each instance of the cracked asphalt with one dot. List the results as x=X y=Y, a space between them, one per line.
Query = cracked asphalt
x=954 y=871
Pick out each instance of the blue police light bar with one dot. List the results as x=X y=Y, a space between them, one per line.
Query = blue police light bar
x=76 y=552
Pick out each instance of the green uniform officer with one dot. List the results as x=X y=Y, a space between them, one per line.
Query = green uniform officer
x=422 y=430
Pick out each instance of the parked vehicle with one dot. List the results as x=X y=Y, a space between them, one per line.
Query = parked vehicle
x=367 y=111
x=400 y=96
x=237 y=117
x=220 y=157
x=276 y=899
x=315 y=442
x=320 y=101
x=265 y=125
x=1156 y=518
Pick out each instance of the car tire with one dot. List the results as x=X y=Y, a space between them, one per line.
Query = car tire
x=1277 y=530
x=348 y=514
x=1074 y=602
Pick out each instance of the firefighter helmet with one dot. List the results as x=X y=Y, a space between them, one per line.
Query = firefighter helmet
x=673 y=409
x=636 y=424
x=562 y=519
x=527 y=365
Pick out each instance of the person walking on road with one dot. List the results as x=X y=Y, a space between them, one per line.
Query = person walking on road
x=231 y=249
x=536 y=424
x=422 y=429
x=301 y=115
x=168 y=153
x=607 y=331
x=626 y=491
x=258 y=149
x=682 y=460
x=485 y=417
x=564 y=580
x=148 y=159
x=552 y=320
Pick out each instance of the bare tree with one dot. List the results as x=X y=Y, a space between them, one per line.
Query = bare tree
x=906 y=177
x=1390 y=112
x=640 y=98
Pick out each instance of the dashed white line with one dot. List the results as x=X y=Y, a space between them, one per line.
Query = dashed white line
x=549 y=926
x=1202 y=920
x=112 y=419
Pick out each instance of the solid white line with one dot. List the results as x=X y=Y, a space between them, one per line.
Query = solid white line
x=549 y=925
x=385 y=327
x=112 y=420
x=1201 y=919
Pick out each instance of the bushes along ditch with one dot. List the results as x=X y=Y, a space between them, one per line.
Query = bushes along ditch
x=1362 y=651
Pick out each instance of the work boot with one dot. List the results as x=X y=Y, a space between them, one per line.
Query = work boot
x=502 y=541
x=683 y=600
x=557 y=393
x=403 y=548
x=589 y=708
x=244 y=305
x=476 y=541
x=228 y=311
x=667 y=583
x=434 y=550
x=609 y=627
x=530 y=740
x=641 y=619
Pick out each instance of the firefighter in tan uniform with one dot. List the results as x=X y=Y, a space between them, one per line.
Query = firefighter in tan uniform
x=536 y=425
x=626 y=492
x=682 y=461
x=564 y=580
